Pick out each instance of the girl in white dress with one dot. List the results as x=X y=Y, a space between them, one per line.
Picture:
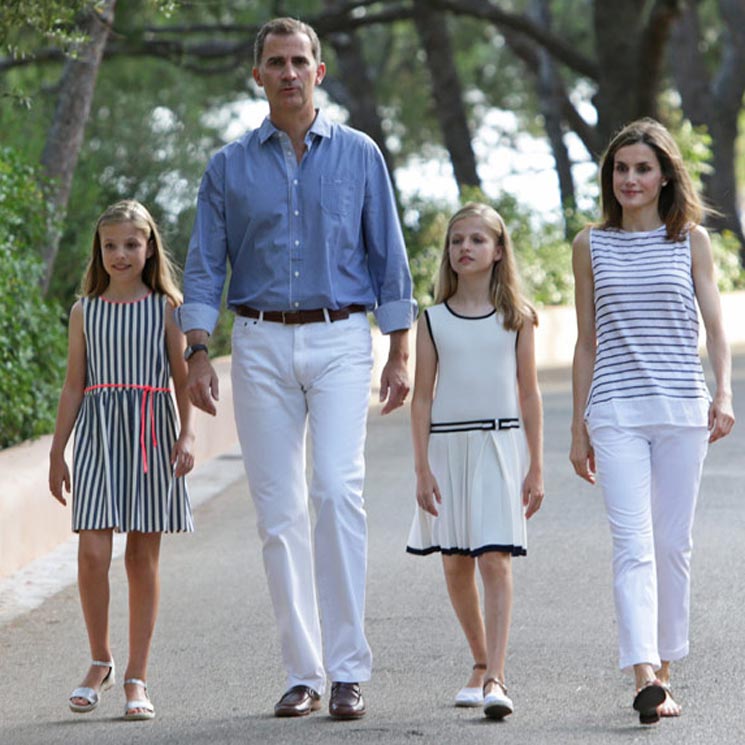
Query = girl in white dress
x=477 y=427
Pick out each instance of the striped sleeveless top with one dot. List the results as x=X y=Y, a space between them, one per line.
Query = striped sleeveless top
x=647 y=366
x=126 y=425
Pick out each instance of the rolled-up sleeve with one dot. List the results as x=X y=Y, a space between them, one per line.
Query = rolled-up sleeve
x=386 y=251
x=206 y=261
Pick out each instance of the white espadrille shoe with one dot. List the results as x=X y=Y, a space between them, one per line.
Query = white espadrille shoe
x=497 y=704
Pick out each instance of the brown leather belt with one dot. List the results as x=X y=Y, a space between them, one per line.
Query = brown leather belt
x=316 y=315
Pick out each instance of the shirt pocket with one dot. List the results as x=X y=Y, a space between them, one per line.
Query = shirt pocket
x=337 y=194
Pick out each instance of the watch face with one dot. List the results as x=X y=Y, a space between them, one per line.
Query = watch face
x=190 y=351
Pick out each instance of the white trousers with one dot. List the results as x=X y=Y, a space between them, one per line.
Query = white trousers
x=288 y=380
x=650 y=479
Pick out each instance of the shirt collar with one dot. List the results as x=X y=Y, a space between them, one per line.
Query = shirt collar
x=321 y=127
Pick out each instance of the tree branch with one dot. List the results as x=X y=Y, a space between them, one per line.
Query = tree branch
x=527 y=50
x=150 y=42
x=558 y=49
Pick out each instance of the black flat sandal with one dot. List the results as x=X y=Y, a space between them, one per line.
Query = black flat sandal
x=646 y=701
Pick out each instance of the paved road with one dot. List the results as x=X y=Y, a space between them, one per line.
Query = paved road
x=215 y=674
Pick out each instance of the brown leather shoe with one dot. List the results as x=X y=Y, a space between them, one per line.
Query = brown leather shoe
x=346 y=701
x=299 y=701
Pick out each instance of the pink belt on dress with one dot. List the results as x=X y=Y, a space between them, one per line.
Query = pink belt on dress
x=147 y=391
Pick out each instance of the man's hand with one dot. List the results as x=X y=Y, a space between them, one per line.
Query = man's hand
x=202 y=383
x=394 y=385
x=394 y=380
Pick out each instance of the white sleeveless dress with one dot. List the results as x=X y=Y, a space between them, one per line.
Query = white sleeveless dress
x=477 y=447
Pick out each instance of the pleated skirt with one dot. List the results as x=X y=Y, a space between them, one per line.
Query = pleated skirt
x=480 y=475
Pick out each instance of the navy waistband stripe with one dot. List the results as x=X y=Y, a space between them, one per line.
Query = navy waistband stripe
x=475 y=424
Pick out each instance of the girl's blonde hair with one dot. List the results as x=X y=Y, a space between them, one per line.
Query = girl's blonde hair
x=159 y=273
x=679 y=205
x=504 y=286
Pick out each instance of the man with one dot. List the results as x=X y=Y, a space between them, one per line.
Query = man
x=303 y=211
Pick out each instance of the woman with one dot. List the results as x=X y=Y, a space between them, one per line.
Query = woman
x=643 y=416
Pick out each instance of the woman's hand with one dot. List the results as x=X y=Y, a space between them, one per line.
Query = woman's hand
x=582 y=455
x=721 y=417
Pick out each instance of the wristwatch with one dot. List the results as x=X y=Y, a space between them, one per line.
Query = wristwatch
x=193 y=349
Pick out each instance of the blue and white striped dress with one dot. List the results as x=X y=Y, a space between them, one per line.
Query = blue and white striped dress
x=647 y=366
x=126 y=426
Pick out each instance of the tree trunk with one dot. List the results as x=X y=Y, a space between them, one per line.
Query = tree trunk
x=618 y=29
x=715 y=102
x=356 y=92
x=65 y=137
x=447 y=93
x=550 y=99
x=355 y=89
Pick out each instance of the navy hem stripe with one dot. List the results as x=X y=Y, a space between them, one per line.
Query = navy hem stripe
x=474 y=552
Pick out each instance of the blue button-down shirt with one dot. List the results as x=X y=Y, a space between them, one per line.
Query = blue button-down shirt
x=322 y=233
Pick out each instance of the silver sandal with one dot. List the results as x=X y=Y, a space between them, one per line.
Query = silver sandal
x=138 y=703
x=91 y=695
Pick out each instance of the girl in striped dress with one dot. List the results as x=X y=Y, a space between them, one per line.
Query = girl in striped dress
x=643 y=416
x=128 y=461
x=477 y=426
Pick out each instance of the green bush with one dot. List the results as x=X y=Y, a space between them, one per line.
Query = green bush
x=730 y=274
x=33 y=348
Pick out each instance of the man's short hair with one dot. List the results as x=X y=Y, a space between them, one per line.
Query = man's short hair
x=286 y=26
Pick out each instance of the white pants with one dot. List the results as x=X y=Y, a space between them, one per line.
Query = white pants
x=650 y=479
x=287 y=378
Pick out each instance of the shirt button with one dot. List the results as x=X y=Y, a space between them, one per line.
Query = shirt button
x=297 y=243
x=294 y=181
x=296 y=304
x=297 y=274
x=297 y=212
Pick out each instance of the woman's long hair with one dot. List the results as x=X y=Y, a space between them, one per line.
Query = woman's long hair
x=680 y=207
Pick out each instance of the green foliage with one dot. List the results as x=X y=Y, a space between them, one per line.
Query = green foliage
x=156 y=153
x=23 y=21
x=730 y=273
x=32 y=357
x=695 y=147
x=424 y=226
x=694 y=144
